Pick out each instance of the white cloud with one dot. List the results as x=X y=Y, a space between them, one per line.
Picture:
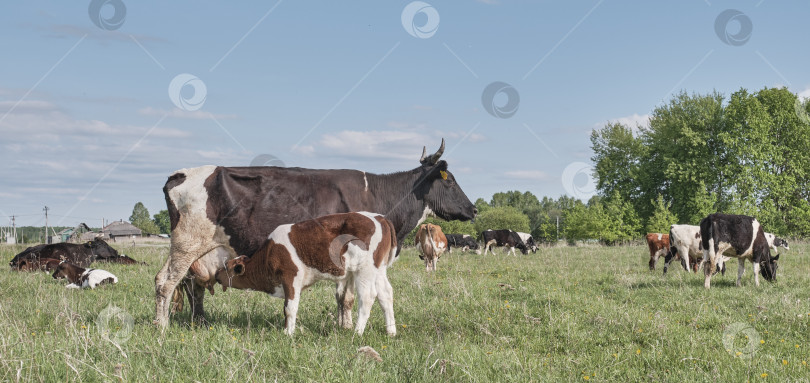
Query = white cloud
x=535 y=175
x=177 y=113
x=805 y=94
x=633 y=121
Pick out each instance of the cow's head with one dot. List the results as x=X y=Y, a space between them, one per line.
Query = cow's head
x=69 y=271
x=781 y=242
x=102 y=249
x=437 y=187
x=768 y=267
x=233 y=275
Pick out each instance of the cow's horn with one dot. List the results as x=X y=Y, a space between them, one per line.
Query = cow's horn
x=432 y=160
x=422 y=159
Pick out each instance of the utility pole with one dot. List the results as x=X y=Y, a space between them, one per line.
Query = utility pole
x=46 y=224
x=14 y=228
x=558 y=227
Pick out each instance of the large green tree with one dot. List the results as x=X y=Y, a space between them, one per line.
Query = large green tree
x=140 y=218
x=162 y=221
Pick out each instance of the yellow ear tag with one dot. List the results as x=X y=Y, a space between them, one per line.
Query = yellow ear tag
x=444 y=174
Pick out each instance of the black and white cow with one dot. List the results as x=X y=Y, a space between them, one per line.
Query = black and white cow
x=528 y=240
x=736 y=236
x=775 y=242
x=507 y=238
x=684 y=242
x=218 y=213
x=463 y=242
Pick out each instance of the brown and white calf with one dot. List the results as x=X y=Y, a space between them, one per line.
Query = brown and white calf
x=659 y=245
x=353 y=250
x=83 y=278
x=431 y=244
x=737 y=236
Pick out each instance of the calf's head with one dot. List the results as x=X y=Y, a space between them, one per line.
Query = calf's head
x=68 y=271
x=438 y=188
x=233 y=275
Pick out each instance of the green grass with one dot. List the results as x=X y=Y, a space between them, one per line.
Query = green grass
x=560 y=315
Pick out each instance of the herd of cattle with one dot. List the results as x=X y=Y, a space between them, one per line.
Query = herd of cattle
x=718 y=238
x=279 y=230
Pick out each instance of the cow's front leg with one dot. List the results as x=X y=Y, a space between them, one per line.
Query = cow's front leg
x=740 y=271
x=290 y=311
x=166 y=281
x=756 y=273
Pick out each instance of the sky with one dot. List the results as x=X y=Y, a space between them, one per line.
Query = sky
x=100 y=101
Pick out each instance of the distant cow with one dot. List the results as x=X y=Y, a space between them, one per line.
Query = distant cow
x=506 y=238
x=463 y=242
x=81 y=278
x=431 y=244
x=684 y=243
x=737 y=236
x=659 y=245
x=352 y=249
x=775 y=242
x=81 y=255
x=528 y=240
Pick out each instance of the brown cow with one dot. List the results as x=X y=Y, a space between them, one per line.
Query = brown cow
x=352 y=249
x=659 y=246
x=430 y=243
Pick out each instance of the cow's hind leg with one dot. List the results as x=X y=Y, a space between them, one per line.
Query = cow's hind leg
x=166 y=281
x=366 y=288
x=756 y=271
x=385 y=295
x=740 y=271
x=344 y=295
x=196 y=296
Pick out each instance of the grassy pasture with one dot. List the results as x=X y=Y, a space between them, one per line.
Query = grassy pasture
x=563 y=314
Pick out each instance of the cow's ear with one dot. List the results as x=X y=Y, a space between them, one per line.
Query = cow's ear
x=776 y=258
x=439 y=170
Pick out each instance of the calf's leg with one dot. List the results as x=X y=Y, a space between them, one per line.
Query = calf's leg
x=345 y=301
x=365 y=286
x=385 y=295
x=292 y=296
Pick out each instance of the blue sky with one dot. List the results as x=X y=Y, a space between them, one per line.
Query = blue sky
x=87 y=125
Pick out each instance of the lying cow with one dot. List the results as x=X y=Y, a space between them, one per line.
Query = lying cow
x=463 y=242
x=38 y=264
x=83 y=278
x=352 y=249
x=659 y=245
x=431 y=244
x=78 y=254
x=775 y=242
x=506 y=238
x=528 y=240
x=737 y=236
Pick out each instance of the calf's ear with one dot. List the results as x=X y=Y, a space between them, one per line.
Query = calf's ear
x=776 y=258
x=239 y=269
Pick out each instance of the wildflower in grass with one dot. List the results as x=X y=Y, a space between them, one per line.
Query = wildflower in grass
x=383 y=347
x=784 y=362
x=797 y=346
x=404 y=326
x=638 y=351
x=761 y=341
x=586 y=377
x=804 y=363
x=764 y=375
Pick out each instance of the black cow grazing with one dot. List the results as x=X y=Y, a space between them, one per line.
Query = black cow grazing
x=737 y=236
x=463 y=242
x=218 y=213
x=506 y=238
x=81 y=255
